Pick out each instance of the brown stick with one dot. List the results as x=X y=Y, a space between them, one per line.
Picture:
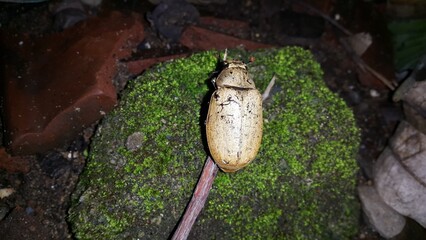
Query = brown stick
x=198 y=200
x=365 y=67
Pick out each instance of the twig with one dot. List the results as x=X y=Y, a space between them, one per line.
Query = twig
x=198 y=200
x=365 y=67
x=267 y=92
x=323 y=15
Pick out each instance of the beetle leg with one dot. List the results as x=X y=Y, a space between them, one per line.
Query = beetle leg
x=214 y=83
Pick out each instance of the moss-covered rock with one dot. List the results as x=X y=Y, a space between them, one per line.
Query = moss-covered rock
x=148 y=153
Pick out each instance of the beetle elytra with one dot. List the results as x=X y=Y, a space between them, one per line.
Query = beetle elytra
x=234 y=120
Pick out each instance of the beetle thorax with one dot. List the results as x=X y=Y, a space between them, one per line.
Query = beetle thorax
x=235 y=75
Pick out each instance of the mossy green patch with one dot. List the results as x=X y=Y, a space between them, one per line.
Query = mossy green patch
x=300 y=186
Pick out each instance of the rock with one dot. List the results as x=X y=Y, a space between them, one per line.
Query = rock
x=6 y=192
x=409 y=146
x=4 y=210
x=411 y=92
x=400 y=171
x=415 y=118
x=67 y=13
x=386 y=221
x=171 y=16
x=134 y=141
x=68 y=18
x=300 y=186
x=399 y=188
x=415 y=94
x=66 y=83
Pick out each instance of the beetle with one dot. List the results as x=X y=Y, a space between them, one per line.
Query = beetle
x=234 y=122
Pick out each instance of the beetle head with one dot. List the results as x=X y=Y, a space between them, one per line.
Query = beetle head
x=234 y=75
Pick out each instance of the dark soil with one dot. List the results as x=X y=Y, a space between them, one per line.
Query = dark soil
x=38 y=208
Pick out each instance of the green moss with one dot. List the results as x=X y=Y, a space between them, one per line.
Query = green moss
x=300 y=186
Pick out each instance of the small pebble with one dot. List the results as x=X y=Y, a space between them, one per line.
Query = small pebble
x=4 y=210
x=6 y=192
x=29 y=210
x=337 y=17
x=374 y=93
x=134 y=141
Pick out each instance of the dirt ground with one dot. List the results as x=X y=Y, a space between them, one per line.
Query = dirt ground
x=38 y=208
